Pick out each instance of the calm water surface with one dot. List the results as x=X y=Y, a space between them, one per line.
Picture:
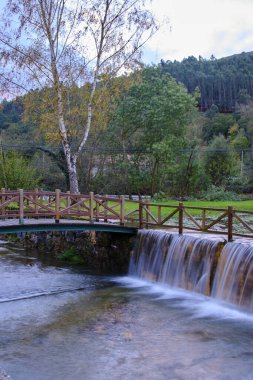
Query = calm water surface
x=64 y=323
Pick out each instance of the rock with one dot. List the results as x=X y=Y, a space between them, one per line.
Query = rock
x=103 y=251
x=3 y=375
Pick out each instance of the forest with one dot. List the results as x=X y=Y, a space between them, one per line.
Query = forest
x=148 y=137
x=223 y=82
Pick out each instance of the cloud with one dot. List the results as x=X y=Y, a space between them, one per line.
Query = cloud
x=202 y=27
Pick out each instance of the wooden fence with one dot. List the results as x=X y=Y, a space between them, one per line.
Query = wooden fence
x=57 y=205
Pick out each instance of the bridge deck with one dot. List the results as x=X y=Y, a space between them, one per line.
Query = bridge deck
x=43 y=225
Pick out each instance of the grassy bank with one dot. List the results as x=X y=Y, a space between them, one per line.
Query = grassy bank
x=237 y=205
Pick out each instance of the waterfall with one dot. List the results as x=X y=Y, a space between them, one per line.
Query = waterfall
x=233 y=279
x=207 y=266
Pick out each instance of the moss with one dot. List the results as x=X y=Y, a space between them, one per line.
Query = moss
x=102 y=251
x=71 y=255
x=13 y=238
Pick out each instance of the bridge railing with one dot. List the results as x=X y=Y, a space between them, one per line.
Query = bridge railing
x=57 y=205
x=226 y=221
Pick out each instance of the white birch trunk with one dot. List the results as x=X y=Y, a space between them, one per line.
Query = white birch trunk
x=70 y=157
x=106 y=24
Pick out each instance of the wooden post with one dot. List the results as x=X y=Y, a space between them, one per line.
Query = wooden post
x=78 y=206
x=147 y=215
x=68 y=204
x=28 y=201
x=57 y=206
x=140 y=214
x=159 y=215
x=180 y=218
x=3 y=200
x=203 y=226
x=230 y=223
x=36 y=202
x=122 y=210
x=21 y=206
x=97 y=211
x=105 y=210
x=91 y=207
x=41 y=199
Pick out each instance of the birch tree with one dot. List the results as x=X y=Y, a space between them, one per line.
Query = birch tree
x=58 y=43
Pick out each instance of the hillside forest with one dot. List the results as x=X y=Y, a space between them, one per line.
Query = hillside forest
x=184 y=129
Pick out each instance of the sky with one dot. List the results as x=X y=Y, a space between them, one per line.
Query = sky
x=200 y=28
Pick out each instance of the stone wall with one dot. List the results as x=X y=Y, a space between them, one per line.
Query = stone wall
x=103 y=251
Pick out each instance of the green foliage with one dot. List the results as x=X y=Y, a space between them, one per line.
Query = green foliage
x=240 y=141
x=71 y=255
x=212 y=111
x=153 y=110
x=191 y=177
x=4 y=122
x=223 y=82
x=16 y=172
x=151 y=119
x=243 y=96
x=215 y=193
x=219 y=124
x=147 y=136
x=10 y=117
x=219 y=161
x=159 y=197
x=13 y=109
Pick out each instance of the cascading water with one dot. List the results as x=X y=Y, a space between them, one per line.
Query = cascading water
x=233 y=279
x=196 y=264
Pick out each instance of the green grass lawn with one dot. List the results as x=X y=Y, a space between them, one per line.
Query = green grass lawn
x=242 y=205
x=238 y=205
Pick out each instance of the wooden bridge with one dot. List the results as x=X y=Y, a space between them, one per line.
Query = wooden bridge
x=26 y=211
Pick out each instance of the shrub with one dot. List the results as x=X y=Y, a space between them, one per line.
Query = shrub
x=219 y=194
x=71 y=255
x=16 y=172
x=159 y=197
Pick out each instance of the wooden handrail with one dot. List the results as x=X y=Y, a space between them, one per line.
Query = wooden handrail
x=92 y=207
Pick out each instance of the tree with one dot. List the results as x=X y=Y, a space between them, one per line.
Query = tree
x=149 y=126
x=224 y=81
x=238 y=138
x=218 y=124
x=220 y=162
x=15 y=172
x=58 y=43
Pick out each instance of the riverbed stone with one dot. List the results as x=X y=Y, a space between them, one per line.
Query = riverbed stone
x=4 y=376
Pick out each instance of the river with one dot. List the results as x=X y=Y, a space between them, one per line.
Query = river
x=65 y=323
